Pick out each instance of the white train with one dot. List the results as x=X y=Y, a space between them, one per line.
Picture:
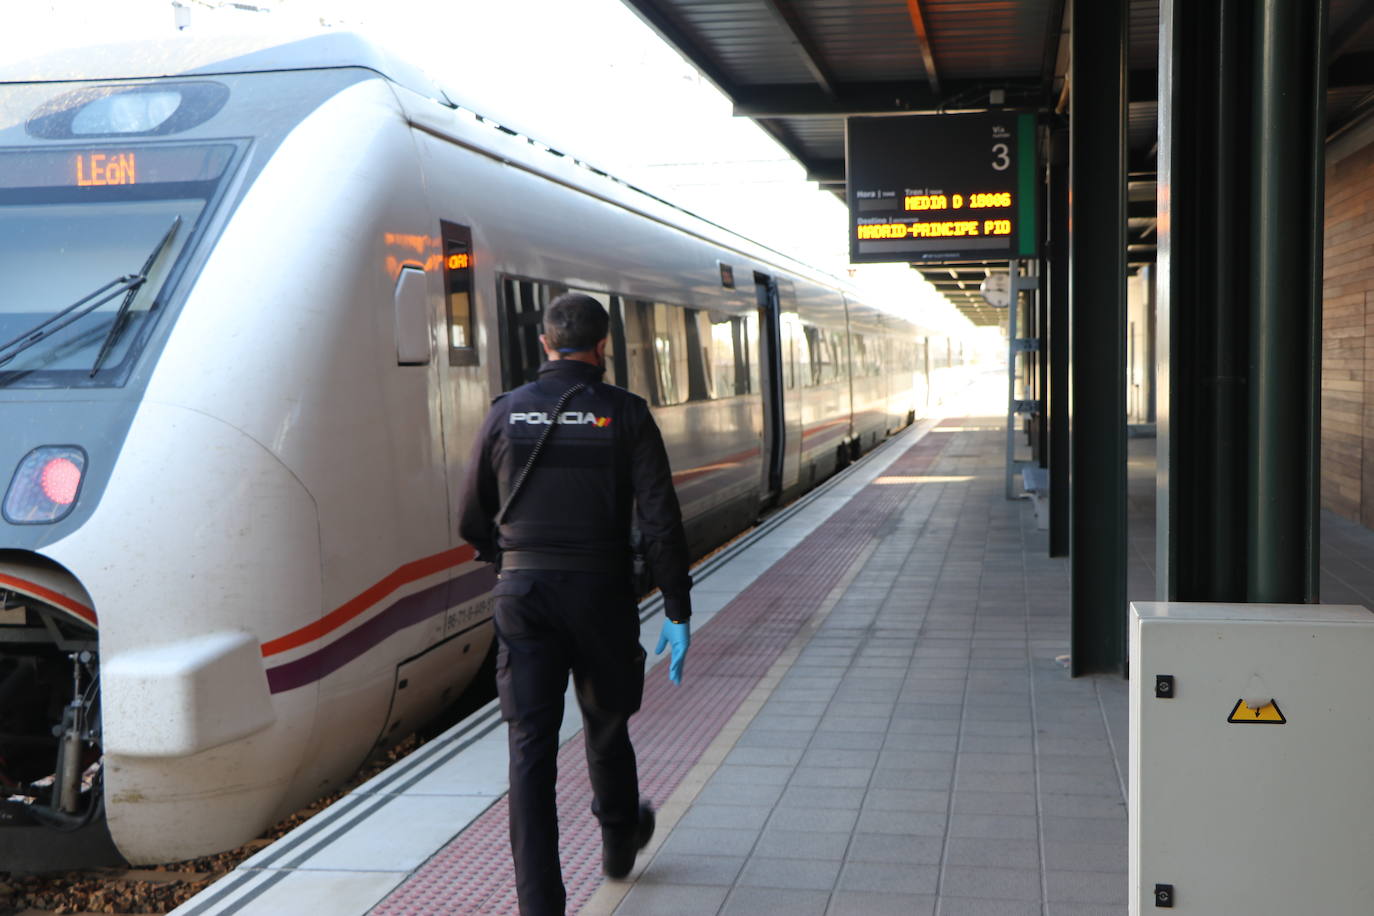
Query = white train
x=254 y=302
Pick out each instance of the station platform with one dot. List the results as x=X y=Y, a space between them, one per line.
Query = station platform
x=876 y=717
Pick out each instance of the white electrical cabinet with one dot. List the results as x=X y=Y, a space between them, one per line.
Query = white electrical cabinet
x=1252 y=760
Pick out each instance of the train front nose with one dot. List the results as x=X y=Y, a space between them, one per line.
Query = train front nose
x=139 y=577
x=201 y=547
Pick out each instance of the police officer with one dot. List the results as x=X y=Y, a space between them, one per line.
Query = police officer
x=559 y=469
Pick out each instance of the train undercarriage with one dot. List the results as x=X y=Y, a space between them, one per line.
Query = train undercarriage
x=51 y=790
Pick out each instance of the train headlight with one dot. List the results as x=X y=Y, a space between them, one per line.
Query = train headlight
x=45 y=486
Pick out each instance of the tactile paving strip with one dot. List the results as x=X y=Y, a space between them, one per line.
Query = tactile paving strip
x=474 y=874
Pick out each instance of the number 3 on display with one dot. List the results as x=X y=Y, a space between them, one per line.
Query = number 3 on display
x=1003 y=159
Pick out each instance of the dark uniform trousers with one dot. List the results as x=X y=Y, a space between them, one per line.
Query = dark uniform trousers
x=550 y=623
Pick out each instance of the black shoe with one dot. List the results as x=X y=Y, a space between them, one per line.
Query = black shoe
x=618 y=853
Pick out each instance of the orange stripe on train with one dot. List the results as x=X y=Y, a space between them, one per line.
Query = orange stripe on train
x=404 y=575
x=75 y=607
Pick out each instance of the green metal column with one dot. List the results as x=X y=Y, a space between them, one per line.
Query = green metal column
x=1203 y=328
x=1097 y=303
x=1286 y=251
x=1242 y=114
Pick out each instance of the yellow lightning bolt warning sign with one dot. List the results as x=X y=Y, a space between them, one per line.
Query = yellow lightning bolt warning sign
x=1268 y=714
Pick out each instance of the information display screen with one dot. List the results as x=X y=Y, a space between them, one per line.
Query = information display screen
x=934 y=188
x=108 y=167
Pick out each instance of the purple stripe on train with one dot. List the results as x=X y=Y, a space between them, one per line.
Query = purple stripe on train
x=405 y=612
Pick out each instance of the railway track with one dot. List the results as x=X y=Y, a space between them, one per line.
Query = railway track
x=161 y=889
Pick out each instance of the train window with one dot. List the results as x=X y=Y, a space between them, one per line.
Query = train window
x=614 y=371
x=939 y=353
x=462 y=344
x=861 y=357
x=817 y=356
x=787 y=331
x=748 y=334
x=876 y=352
x=670 y=354
x=827 y=355
x=639 y=348
x=789 y=363
x=698 y=355
x=523 y=303
x=727 y=362
x=801 y=357
x=789 y=355
x=615 y=348
x=745 y=381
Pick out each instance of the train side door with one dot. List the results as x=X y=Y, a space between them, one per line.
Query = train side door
x=770 y=361
x=791 y=338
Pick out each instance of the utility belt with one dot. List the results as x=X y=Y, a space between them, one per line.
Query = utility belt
x=593 y=563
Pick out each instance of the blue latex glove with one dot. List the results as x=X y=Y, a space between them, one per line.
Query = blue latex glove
x=679 y=636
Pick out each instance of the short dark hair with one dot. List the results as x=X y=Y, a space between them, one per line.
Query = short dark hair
x=575 y=322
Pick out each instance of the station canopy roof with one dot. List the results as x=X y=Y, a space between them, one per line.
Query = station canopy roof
x=798 y=68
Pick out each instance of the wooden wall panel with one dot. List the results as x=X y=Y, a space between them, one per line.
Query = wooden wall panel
x=1347 y=410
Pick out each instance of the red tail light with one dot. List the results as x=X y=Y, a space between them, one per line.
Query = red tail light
x=60 y=479
x=46 y=485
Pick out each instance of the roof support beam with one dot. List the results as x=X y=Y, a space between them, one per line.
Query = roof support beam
x=918 y=25
x=788 y=100
x=795 y=30
x=799 y=101
x=793 y=101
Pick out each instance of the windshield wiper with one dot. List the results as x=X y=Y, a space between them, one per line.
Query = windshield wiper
x=126 y=286
x=118 y=324
x=72 y=313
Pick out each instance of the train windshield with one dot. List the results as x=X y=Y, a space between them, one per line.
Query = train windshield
x=91 y=239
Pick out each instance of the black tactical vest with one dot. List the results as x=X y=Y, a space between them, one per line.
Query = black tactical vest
x=577 y=498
